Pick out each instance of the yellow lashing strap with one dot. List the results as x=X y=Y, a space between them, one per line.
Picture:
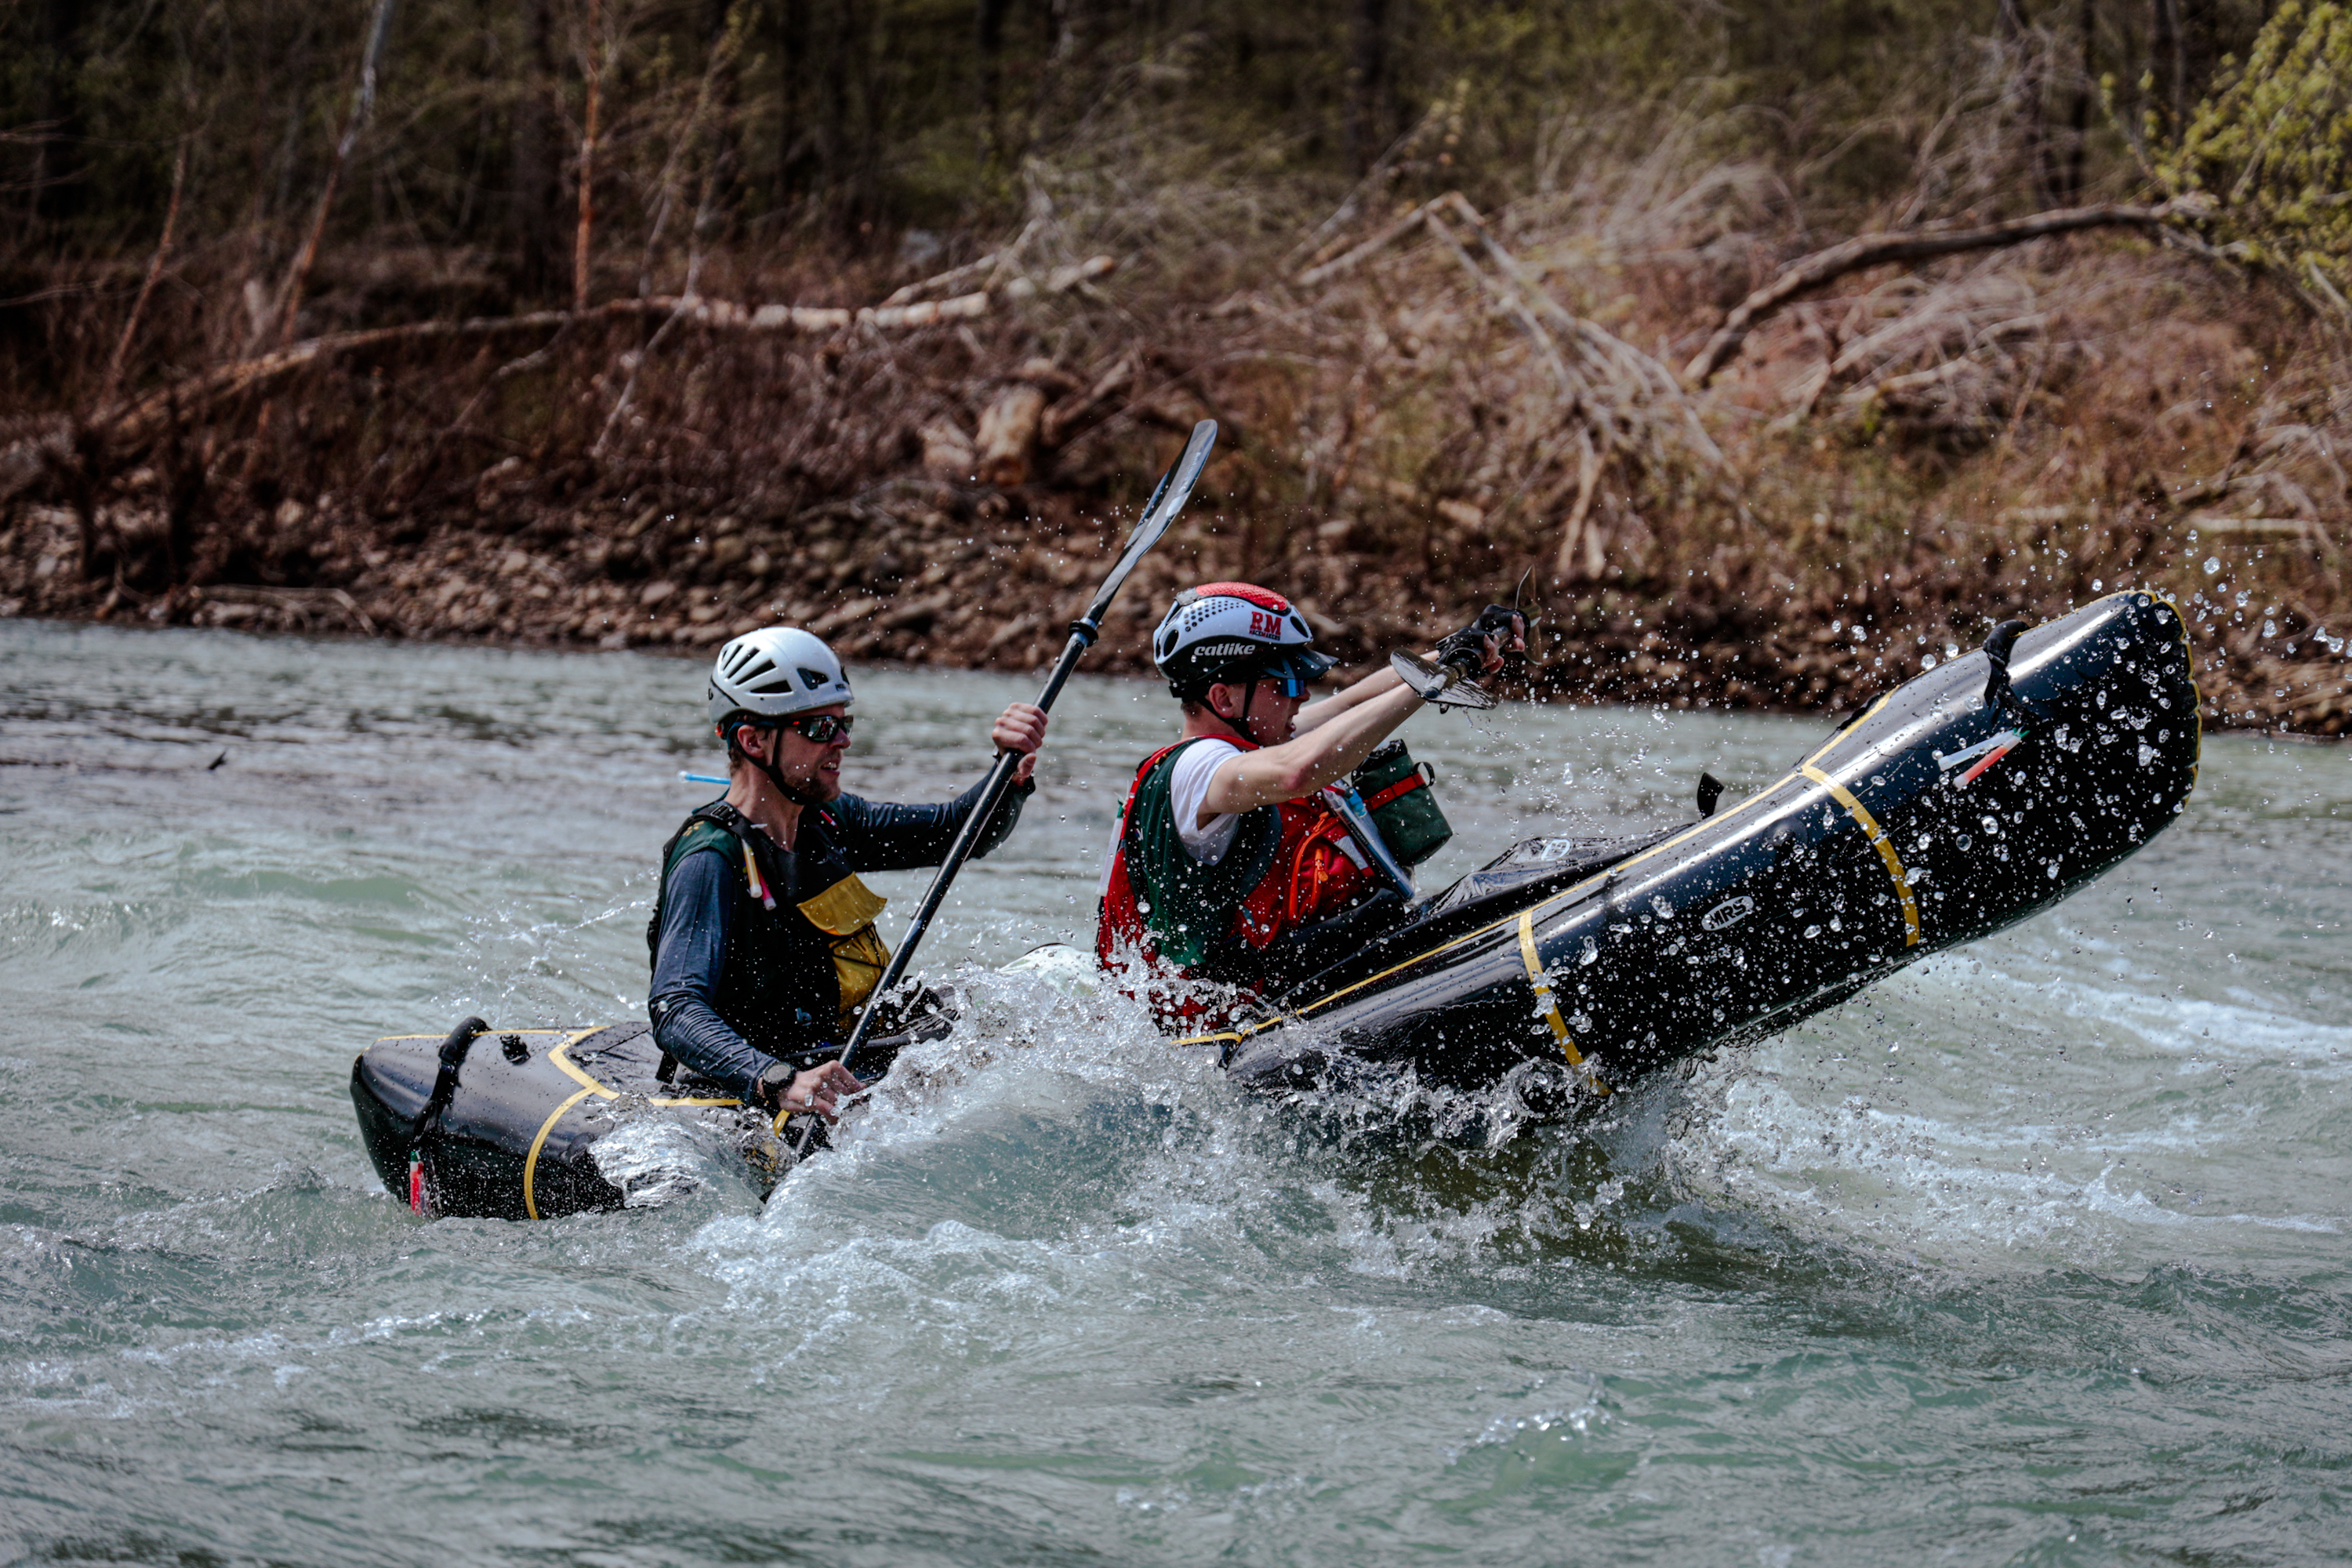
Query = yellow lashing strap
x=1542 y=982
x=561 y=1057
x=530 y=1161
x=1878 y=841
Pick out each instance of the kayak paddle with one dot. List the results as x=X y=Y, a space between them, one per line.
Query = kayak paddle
x=1168 y=499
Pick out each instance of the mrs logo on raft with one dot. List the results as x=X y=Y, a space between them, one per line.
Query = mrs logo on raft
x=1729 y=912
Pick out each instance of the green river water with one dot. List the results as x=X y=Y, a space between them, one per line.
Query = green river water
x=2035 y=1253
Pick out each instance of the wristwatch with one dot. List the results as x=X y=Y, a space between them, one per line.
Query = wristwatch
x=769 y=1088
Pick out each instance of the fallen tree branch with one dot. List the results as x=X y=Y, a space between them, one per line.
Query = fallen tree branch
x=1824 y=267
x=1348 y=260
x=302 y=600
x=1609 y=354
x=191 y=398
x=1573 y=392
x=954 y=277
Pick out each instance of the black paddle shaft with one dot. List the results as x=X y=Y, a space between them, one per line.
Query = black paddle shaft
x=1168 y=499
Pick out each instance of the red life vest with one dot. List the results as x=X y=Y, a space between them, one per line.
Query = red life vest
x=1310 y=878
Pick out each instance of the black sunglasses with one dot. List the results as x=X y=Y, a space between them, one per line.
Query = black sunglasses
x=819 y=729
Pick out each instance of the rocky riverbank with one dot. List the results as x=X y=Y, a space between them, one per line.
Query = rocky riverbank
x=919 y=571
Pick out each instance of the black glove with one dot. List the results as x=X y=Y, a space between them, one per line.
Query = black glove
x=1498 y=630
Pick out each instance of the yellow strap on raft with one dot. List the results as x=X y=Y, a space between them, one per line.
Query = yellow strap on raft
x=562 y=1058
x=1541 y=983
x=1878 y=841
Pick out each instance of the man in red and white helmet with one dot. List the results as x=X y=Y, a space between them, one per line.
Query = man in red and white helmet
x=1227 y=859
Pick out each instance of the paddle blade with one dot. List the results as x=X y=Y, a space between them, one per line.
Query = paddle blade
x=1168 y=499
x=1437 y=683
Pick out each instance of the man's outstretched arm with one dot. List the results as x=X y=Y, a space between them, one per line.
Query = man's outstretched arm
x=1497 y=632
x=1323 y=755
x=878 y=836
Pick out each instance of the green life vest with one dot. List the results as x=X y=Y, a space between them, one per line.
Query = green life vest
x=1188 y=905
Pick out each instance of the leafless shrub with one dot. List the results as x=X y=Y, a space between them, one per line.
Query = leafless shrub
x=1953 y=359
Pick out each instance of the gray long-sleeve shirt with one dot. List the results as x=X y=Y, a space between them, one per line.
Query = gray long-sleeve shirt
x=687 y=1000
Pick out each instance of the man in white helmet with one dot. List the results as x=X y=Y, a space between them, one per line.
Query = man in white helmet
x=763 y=940
x=1227 y=865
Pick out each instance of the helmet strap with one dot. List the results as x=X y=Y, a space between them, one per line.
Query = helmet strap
x=797 y=797
x=1239 y=722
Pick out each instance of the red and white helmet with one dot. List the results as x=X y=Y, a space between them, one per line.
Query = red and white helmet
x=1226 y=631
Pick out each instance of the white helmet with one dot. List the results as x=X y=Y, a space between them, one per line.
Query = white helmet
x=1238 y=628
x=775 y=672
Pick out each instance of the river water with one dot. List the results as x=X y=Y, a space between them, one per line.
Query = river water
x=2035 y=1253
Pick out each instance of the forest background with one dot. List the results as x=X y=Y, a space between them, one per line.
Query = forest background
x=1787 y=343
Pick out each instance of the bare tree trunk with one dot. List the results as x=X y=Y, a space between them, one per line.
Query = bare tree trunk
x=1368 y=53
x=2165 y=66
x=2200 y=48
x=81 y=473
x=793 y=65
x=725 y=25
x=147 y=286
x=585 y=235
x=684 y=144
x=2078 y=117
x=53 y=192
x=871 y=98
x=186 y=491
x=988 y=40
x=2184 y=47
x=832 y=129
x=363 y=106
x=2028 y=90
x=535 y=197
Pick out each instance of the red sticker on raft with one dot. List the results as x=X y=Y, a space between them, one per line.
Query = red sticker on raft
x=1984 y=753
x=1992 y=757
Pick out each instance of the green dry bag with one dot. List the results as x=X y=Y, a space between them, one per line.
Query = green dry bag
x=1396 y=791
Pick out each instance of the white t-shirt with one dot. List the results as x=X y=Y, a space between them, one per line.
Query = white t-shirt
x=1188 y=785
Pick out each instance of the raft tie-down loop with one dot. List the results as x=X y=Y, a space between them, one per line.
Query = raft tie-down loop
x=1541 y=983
x=452 y=1056
x=1878 y=841
x=2000 y=695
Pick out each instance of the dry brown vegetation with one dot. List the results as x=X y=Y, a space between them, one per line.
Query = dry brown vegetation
x=1423 y=397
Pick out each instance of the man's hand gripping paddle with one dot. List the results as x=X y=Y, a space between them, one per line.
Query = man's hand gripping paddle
x=1450 y=680
x=1174 y=489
